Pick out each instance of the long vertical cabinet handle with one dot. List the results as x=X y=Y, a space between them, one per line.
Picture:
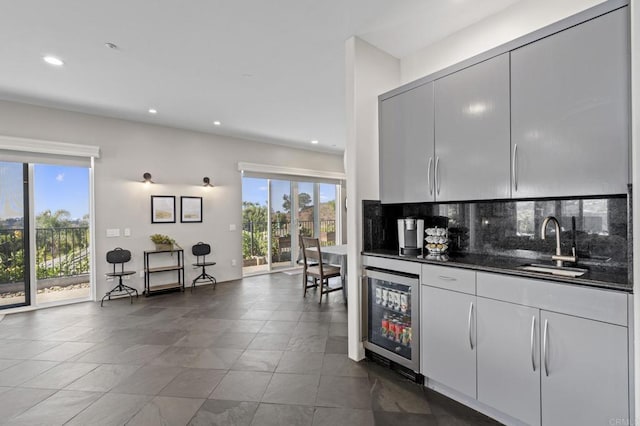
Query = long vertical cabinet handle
x=364 y=326
x=544 y=347
x=429 y=183
x=533 y=333
x=514 y=167
x=437 y=176
x=470 y=318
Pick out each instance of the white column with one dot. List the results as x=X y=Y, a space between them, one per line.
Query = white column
x=369 y=73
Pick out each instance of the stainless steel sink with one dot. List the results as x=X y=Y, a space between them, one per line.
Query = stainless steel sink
x=554 y=270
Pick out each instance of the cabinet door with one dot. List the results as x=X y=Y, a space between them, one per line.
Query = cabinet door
x=509 y=359
x=406 y=146
x=472 y=132
x=448 y=338
x=585 y=375
x=570 y=111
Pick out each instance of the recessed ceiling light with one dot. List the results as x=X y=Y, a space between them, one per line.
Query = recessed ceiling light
x=217 y=123
x=52 y=60
x=153 y=111
x=315 y=142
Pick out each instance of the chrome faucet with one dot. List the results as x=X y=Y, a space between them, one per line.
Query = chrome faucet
x=558 y=257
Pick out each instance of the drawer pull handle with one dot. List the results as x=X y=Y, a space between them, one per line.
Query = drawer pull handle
x=445 y=278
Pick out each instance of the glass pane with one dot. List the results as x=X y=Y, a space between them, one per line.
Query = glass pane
x=390 y=316
x=306 y=208
x=254 y=225
x=61 y=205
x=281 y=223
x=14 y=273
x=327 y=214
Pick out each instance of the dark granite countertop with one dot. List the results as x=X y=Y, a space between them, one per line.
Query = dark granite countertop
x=601 y=277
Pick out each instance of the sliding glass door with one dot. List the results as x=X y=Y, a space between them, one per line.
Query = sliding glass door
x=282 y=237
x=328 y=214
x=44 y=234
x=61 y=206
x=271 y=227
x=14 y=235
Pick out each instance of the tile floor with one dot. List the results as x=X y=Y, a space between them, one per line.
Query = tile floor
x=252 y=352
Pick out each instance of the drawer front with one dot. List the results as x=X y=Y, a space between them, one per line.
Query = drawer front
x=586 y=302
x=456 y=279
x=392 y=264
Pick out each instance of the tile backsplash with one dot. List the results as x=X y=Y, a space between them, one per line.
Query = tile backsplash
x=512 y=228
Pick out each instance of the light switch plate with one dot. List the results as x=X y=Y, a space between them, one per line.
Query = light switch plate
x=113 y=232
x=232 y=227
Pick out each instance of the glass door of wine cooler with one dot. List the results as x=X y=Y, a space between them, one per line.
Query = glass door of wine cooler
x=392 y=313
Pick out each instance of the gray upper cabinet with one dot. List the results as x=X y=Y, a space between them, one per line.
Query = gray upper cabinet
x=406 y=146
x=570 y=111
x=472 y=145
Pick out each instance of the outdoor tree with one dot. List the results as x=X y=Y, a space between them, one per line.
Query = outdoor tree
x=304 y=200
x=57 y=219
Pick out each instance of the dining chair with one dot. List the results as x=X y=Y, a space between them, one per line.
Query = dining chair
x=314 y=268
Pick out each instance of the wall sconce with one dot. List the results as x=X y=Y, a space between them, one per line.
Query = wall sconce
x=147 y=177
x=206 y=182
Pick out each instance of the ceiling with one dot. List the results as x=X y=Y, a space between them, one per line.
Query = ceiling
x=271 y=71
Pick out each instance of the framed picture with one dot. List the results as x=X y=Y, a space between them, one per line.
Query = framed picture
x=191 y=209
x=163 y=209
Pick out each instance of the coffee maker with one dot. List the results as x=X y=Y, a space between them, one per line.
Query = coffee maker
x=410 y=236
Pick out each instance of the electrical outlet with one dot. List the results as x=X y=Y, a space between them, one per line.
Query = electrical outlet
x=233 y=262
x=127 y=232
x=232 y=227
x=141 y=274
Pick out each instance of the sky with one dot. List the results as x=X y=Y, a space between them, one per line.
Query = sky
x=55 y=188
x=255 y=190
x=61 y=188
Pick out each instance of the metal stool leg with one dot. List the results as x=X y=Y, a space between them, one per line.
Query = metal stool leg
x=120 y=288
x=204 y=277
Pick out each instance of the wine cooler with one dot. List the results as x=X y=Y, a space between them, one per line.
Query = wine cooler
x=391 y=316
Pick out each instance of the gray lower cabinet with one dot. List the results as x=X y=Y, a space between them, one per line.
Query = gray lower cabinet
x=584 y=371
x=447 y=340
x=406 y=146
x=570 y=111
x=509 y=359
x=472 y=132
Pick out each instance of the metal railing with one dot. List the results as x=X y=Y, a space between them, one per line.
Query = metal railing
x=255 y=235
x=60 y=252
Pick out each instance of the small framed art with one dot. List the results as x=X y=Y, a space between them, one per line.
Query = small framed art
x=163 y=209
x=190 y=209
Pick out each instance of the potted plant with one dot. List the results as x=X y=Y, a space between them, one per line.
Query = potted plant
x=162 y=242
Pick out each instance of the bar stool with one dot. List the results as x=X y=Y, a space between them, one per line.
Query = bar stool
x=119 y=256
x=201 y=250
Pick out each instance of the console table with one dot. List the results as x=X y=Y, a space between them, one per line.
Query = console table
x=167 y=268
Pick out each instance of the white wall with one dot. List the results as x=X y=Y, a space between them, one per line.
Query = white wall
x=517 y=20
x=178 y=160
x=369 y=72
